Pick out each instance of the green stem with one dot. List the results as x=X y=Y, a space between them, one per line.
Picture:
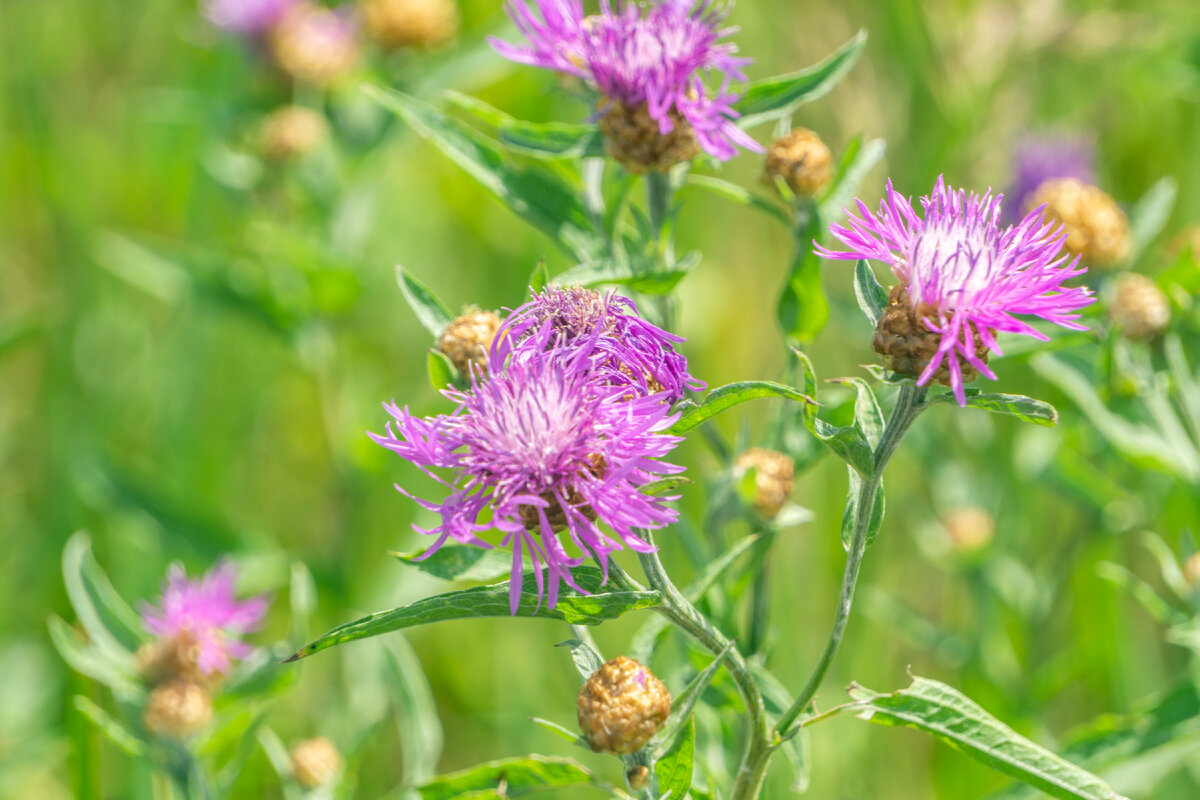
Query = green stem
x=658 y=207
x=909 y=404
x=760 y=599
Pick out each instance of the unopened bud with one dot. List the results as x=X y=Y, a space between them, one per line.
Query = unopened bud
x=316 y=762
x=635 y=140
x=466 y=341
x=774 y=475
x=178 y=710
x=1097 y=229
x=1139 y=308
x=1191 y=570
x=410 y=23
x=970 y=529
x=174 y=660
x=292 y=132
x=314 y=44
x=802 y=160
x=908 y=345
x=622 y=706
x=636 y=776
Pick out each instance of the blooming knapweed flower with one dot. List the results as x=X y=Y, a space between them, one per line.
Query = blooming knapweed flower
x=207 y=613
x=648 y=60
x=1040 y=159
x=962 y=277
x=607 y=323
x=248 y=17
x=550 y=445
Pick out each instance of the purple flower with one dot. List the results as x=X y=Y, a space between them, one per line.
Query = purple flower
x=206 y=611
x=250 y=17
x=657 y=58
x=1040 y=159
x=623 y=344
x=965 y=277
x=546 y=445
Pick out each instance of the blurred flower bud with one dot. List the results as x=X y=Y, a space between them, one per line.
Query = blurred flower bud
x=802 y=160
x=1191 y=570
x=178 y=710
x=316 y=762
x=466 y=340
x=635 y=140
x=291 y=132
x=1097 y=230
x=314 y=44
x=970 y=529
x=622 y=706
x=774 y=475
x=636 y=776
x=908 y=345
x=174 y=659
x=410 y=23
x=1139 y=308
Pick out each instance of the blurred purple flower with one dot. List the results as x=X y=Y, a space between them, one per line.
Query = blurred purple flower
x=964 y=275
x=546 y=444
x=1039 y=159
x=250 y=17
x=625 y=343
x=207 y=611
x=657 y=58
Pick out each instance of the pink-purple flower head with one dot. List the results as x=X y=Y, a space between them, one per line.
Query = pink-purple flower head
x=622 y=343
x=208 y=612
x=552 y=447
x=247 y=17
x=1044 y=158
x=656 y=54
x=962 y=278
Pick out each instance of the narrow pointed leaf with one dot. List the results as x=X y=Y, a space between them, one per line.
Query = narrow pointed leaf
x=109 y=621
x=872 y=297
x=416 y=715
x=460 y=562
x=802 y=308
x=856 y=163
x=1150 y=213
x=429 y=310
x=117 y=733
x=587 y=660
x=646 y=278
x=553 y=139
x=779 y=97
x=1023 y=408
x=558 y=730
x=675 y=768
x=739 y=195
x=851 y=510
x=868 y=417
x=730 y=395
x=442 y=373
x=847 y=443
x=685 y=702
x=519 y=777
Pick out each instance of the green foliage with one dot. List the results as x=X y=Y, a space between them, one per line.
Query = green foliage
x=517 y=776
x=726 y=397
x=779 y=97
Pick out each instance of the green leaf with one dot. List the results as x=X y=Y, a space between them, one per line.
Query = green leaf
x=797 y=748
x=848 y=444
x=739 y=195
x=685 y=702
x=730 y=395
x=674 y=769
x=851 y=510
x=1023 y=408
x=492 y=601
x=540 y=196
x=664 y=486
x=117 y=733
x=1150 y=213
x=868 y=417
x=955 y=719
x=119 y=675
x=856 y=163
x=574 y=737
x=779 y=97
x=416 y=714
x=539 y=139
x=539 y=277
x=109 y=621
x=872 y=298
x=803 y=309
x=645 y=278
x=430 y=312
x=460 y=562
x=518 y=776
x=442 y=372
x=587 y=659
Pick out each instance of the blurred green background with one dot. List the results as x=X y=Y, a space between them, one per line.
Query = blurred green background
x=192 y=345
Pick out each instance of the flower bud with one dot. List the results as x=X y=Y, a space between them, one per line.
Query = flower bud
x=316 y=762
x=1139 y=308
x=622 y=706
x=636 y=776
x=1097 y=230
x=802 y=160
x=908 y=345
x=1191 y=570
x=635 y=140
x=291 y=132
x=314 y=44
x=178 y=710
x=410 y=23
x=466 y=340
x=970 y=529
x=774 y=475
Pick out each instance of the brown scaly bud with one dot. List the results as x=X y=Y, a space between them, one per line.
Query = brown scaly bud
x=774 y=475
x=172 y=660
x=178 y=710
x=907 y=344
x=291 y=132
x=316 y=763
x=634 y=139
x=970 y=529
x=802 y=160
x=410 y=23
x=1139 y=308
x=636 y=776
x=622 y=706
x=1097 y=230
x=1191 y=570
x=314 y=44
x=466 y=341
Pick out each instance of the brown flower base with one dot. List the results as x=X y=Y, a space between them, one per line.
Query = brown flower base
x=907 y=344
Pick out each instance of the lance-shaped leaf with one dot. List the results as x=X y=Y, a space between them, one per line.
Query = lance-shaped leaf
x=954 y=718
x=574 y=737
x=850 y=513
x=539 y=139
x=586 y=658
x=674 y=769
x=872 y=298
x=109 y=621
x=442 y=372
x=868 y=417
x=779 y=97
x=726 y=397
x=858 y=159
x=796 y=747
x=460 y=562
x=664 y=486
x=739 y=195
x=117 y=733
x=538 y=195
x=1023 y=408
x=416 y=714
x=802 y=309
x=429 y=310
x=685 y=702
x=516 y=776
x=1150 y=214
x=492 y=601
x=119 y=674
x=647 y=277
x=848 y=443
